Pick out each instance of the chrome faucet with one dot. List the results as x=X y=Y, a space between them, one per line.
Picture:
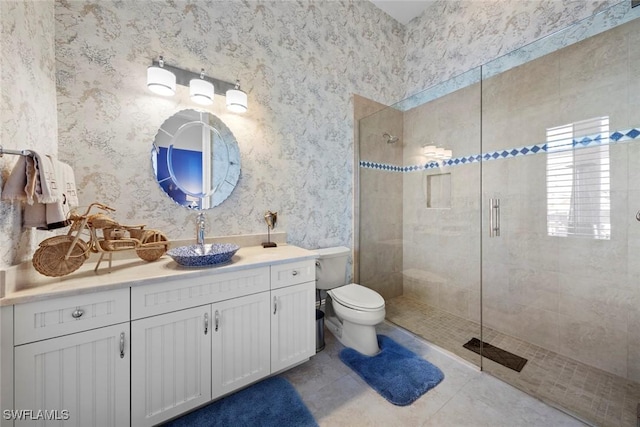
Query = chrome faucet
x=200 y=223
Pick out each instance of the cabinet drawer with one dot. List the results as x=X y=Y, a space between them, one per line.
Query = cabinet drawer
x=150 y=300
x=60 y=316
x=293 y=273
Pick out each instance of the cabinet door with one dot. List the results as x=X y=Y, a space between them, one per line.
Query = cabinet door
x=292 y=325
x=83 y=377
x=240 y=342
x=171 y=364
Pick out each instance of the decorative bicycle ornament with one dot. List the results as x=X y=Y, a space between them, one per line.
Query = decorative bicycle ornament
x=61 y=255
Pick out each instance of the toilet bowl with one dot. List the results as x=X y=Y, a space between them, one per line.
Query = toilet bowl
x=352 y=310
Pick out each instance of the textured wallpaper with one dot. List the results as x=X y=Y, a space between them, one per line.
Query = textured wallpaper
x=300 y=62
x=451 y=37
x=28 y=108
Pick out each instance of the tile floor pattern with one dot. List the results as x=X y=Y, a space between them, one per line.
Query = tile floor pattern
x=338 y=397
x=596 y=396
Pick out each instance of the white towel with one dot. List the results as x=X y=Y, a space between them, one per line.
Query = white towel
x=35 y=216
x=51 y=183
x=47 y=185
x=68 y=180
x=21 y=182
x=57 y=213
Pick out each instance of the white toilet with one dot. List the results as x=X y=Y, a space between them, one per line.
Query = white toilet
x=351 y=311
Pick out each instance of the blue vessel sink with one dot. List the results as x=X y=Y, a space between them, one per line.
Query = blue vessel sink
x=203 y=255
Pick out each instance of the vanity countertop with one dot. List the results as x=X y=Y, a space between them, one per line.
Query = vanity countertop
x=134 y=272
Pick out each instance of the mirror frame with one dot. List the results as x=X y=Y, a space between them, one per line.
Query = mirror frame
x=168 y=137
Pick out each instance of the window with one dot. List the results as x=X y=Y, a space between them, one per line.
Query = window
x=578 y=198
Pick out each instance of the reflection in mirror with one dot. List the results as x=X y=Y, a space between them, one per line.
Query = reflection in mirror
x=196 y=159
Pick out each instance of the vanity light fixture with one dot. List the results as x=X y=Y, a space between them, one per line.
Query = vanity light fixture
x=162 y=79
x=436 y=154
x=201 y=91
x=429 y=150
x=236 y=99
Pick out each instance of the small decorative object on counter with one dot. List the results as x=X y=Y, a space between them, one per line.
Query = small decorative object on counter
x=61 y=255
x=271 y=218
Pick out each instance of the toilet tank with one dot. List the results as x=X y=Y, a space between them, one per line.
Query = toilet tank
x=331 y=267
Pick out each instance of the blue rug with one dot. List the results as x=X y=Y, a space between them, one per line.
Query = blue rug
x=398 y=374
x=272 y=402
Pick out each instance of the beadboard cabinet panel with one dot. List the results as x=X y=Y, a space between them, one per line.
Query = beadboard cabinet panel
x=292 y=325
x=180 y=294
x=241 y=339
x=171 y=364
x=84 y=375
x=61 y=316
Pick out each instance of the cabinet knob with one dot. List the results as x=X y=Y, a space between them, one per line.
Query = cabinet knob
x=77 y=313
x=206 y=323
x=294 y=272
x=217 y=320
x=275 y=305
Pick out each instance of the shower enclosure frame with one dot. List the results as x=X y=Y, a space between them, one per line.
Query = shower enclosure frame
x=487 y=191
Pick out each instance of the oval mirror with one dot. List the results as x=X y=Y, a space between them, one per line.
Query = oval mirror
x=196 y=159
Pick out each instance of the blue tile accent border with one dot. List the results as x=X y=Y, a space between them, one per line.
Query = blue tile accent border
x=587 y=141
x=381 y=166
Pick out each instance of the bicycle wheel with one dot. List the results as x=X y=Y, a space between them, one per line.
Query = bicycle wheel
x=153 y=245
x=49 y=258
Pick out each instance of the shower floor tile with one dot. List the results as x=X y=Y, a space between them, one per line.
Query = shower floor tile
x=590 y=394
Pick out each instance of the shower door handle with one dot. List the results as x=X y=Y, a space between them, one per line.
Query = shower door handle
x=494 y=217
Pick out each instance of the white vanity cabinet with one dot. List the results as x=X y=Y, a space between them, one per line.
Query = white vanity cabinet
x=83 y=375
x=241 y=341
x=293 y=289
x=179 y=328
x=246 y=325
x=170 y=364
x=143 y=353
x=186 y=358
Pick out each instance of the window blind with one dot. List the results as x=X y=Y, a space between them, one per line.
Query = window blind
x=578 y=179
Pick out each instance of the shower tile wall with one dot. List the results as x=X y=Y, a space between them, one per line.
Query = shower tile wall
x=576 y=296
x=380 y=242
x=442 y=248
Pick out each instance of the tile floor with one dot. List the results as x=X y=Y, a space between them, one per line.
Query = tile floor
x=466 y=397
x=591 y=394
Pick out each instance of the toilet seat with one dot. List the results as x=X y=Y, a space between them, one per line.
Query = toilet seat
x=357 y=297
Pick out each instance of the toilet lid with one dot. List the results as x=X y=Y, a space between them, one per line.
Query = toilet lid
x=358 y=297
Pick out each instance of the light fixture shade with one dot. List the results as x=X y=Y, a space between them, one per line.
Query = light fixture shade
x=429 y=150
x=161 y=81
x=447 y=154
x=201 y=91
x=439 y=153
x=236 y=99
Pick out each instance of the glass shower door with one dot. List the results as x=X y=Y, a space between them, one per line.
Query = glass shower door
x=559 y=193
x=419 y=204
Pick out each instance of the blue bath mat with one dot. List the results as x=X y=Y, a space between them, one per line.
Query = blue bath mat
x=398 y=374
x=272 y=402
